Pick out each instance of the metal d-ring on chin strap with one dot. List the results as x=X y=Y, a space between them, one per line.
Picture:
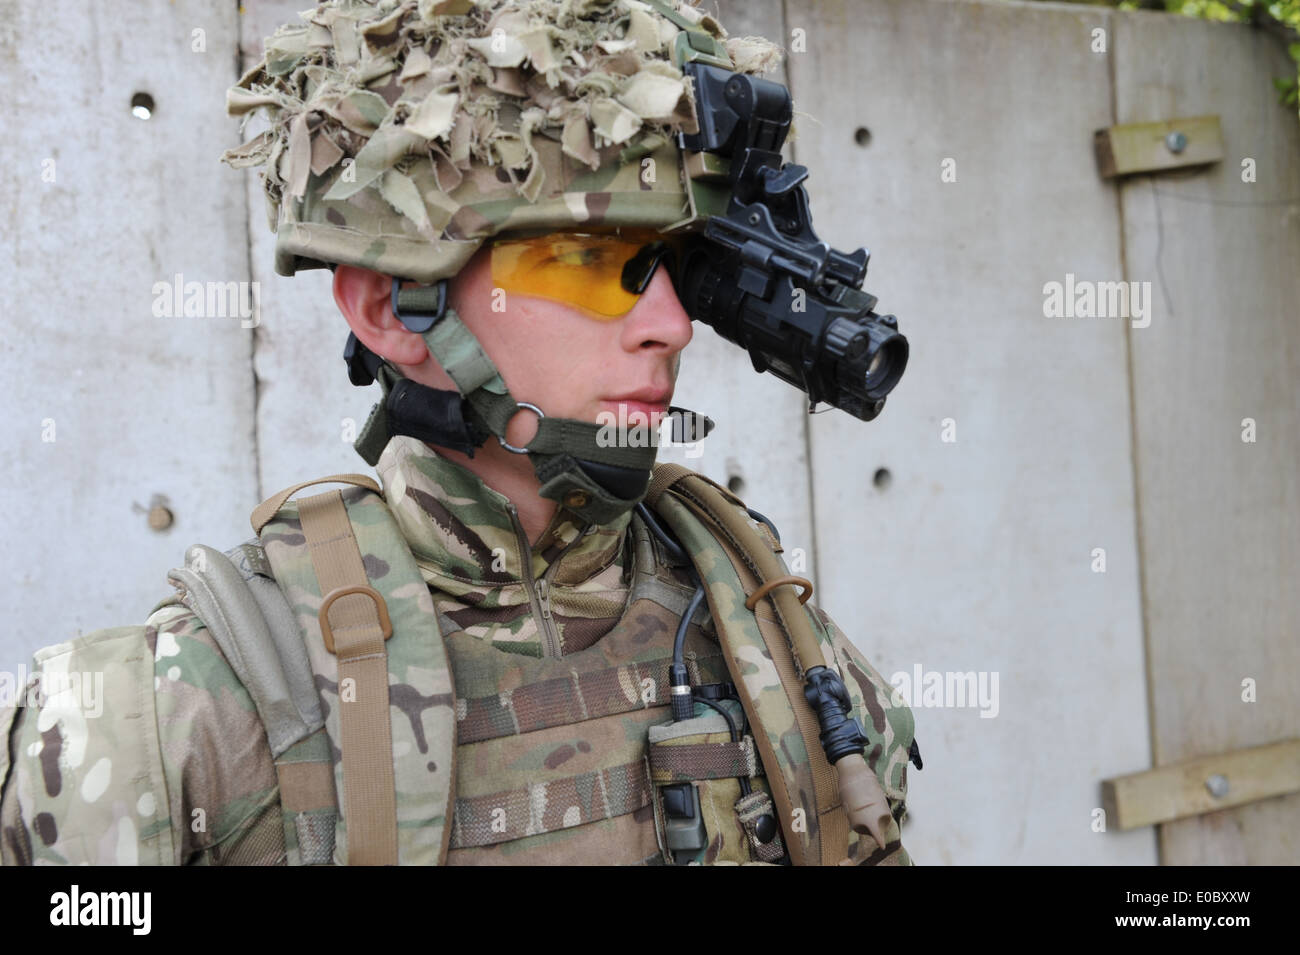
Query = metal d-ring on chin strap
x=531 y=407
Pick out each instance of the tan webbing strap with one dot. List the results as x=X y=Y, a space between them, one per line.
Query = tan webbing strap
x=660 y=480
x=680 y=762
x=356 y=624
x=306 y=786
x=264 y=512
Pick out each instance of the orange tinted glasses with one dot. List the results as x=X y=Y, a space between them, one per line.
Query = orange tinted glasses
x=601 y=274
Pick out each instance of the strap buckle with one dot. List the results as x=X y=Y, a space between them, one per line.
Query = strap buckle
x=423 y=306
x=327 y=632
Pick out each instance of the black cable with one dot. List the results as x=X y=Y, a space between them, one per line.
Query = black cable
x=770 y=526
x=674 y=549
x=679 y=680
x=679 y=641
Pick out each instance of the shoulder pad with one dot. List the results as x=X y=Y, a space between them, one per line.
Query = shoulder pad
x=87 y=773
x=251 y=620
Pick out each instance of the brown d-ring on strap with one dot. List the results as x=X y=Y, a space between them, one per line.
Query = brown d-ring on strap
x=775 y=582
x=327 y=632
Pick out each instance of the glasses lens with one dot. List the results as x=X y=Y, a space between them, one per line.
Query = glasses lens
x=640 y=269
x=604 y=275
x=581 y=270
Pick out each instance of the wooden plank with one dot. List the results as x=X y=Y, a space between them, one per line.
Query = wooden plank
x=1149 y=147
x=1219 y=516
x=1209 y=784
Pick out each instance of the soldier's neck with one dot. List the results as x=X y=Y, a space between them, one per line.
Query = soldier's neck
x=513 y=476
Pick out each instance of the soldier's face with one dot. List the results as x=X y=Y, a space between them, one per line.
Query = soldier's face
x=568 y=363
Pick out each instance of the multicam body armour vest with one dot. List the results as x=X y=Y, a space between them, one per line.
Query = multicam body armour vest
x=546 y=746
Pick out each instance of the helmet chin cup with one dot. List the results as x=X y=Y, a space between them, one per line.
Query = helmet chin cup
x=627 y=483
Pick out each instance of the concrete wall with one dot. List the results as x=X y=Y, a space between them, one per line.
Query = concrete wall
x=111 y=408
x=955 y=534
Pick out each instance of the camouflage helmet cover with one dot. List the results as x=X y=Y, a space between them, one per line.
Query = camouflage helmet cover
x=403 y=133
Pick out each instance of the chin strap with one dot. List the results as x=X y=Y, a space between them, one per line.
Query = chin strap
x=596 y=471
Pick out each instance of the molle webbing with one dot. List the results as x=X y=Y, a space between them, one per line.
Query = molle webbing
x=546 y=807
x=564 y=745
x=571 y=698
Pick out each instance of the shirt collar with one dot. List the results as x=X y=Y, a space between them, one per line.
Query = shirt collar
x=464 y=534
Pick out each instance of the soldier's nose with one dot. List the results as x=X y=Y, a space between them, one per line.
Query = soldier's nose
x=658 y=319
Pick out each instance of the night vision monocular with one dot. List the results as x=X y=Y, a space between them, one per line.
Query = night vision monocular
x=758 y=274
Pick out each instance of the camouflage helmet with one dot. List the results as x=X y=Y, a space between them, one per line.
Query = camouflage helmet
x=403 y=133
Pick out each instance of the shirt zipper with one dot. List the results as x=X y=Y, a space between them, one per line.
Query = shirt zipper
x=539 y=601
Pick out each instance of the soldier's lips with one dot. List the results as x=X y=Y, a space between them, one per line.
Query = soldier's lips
x=637 y=412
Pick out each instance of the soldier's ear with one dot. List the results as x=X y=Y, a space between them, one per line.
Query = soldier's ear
x=364 y=298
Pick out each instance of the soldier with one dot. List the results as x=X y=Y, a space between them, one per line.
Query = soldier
x=533 y=645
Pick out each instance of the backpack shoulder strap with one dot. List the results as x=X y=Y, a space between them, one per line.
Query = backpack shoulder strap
x=366 y=619
x=767 y=653
x=250 y=619
x=239 y=600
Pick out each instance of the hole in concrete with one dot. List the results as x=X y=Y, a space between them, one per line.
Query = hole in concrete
x=142 y=106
